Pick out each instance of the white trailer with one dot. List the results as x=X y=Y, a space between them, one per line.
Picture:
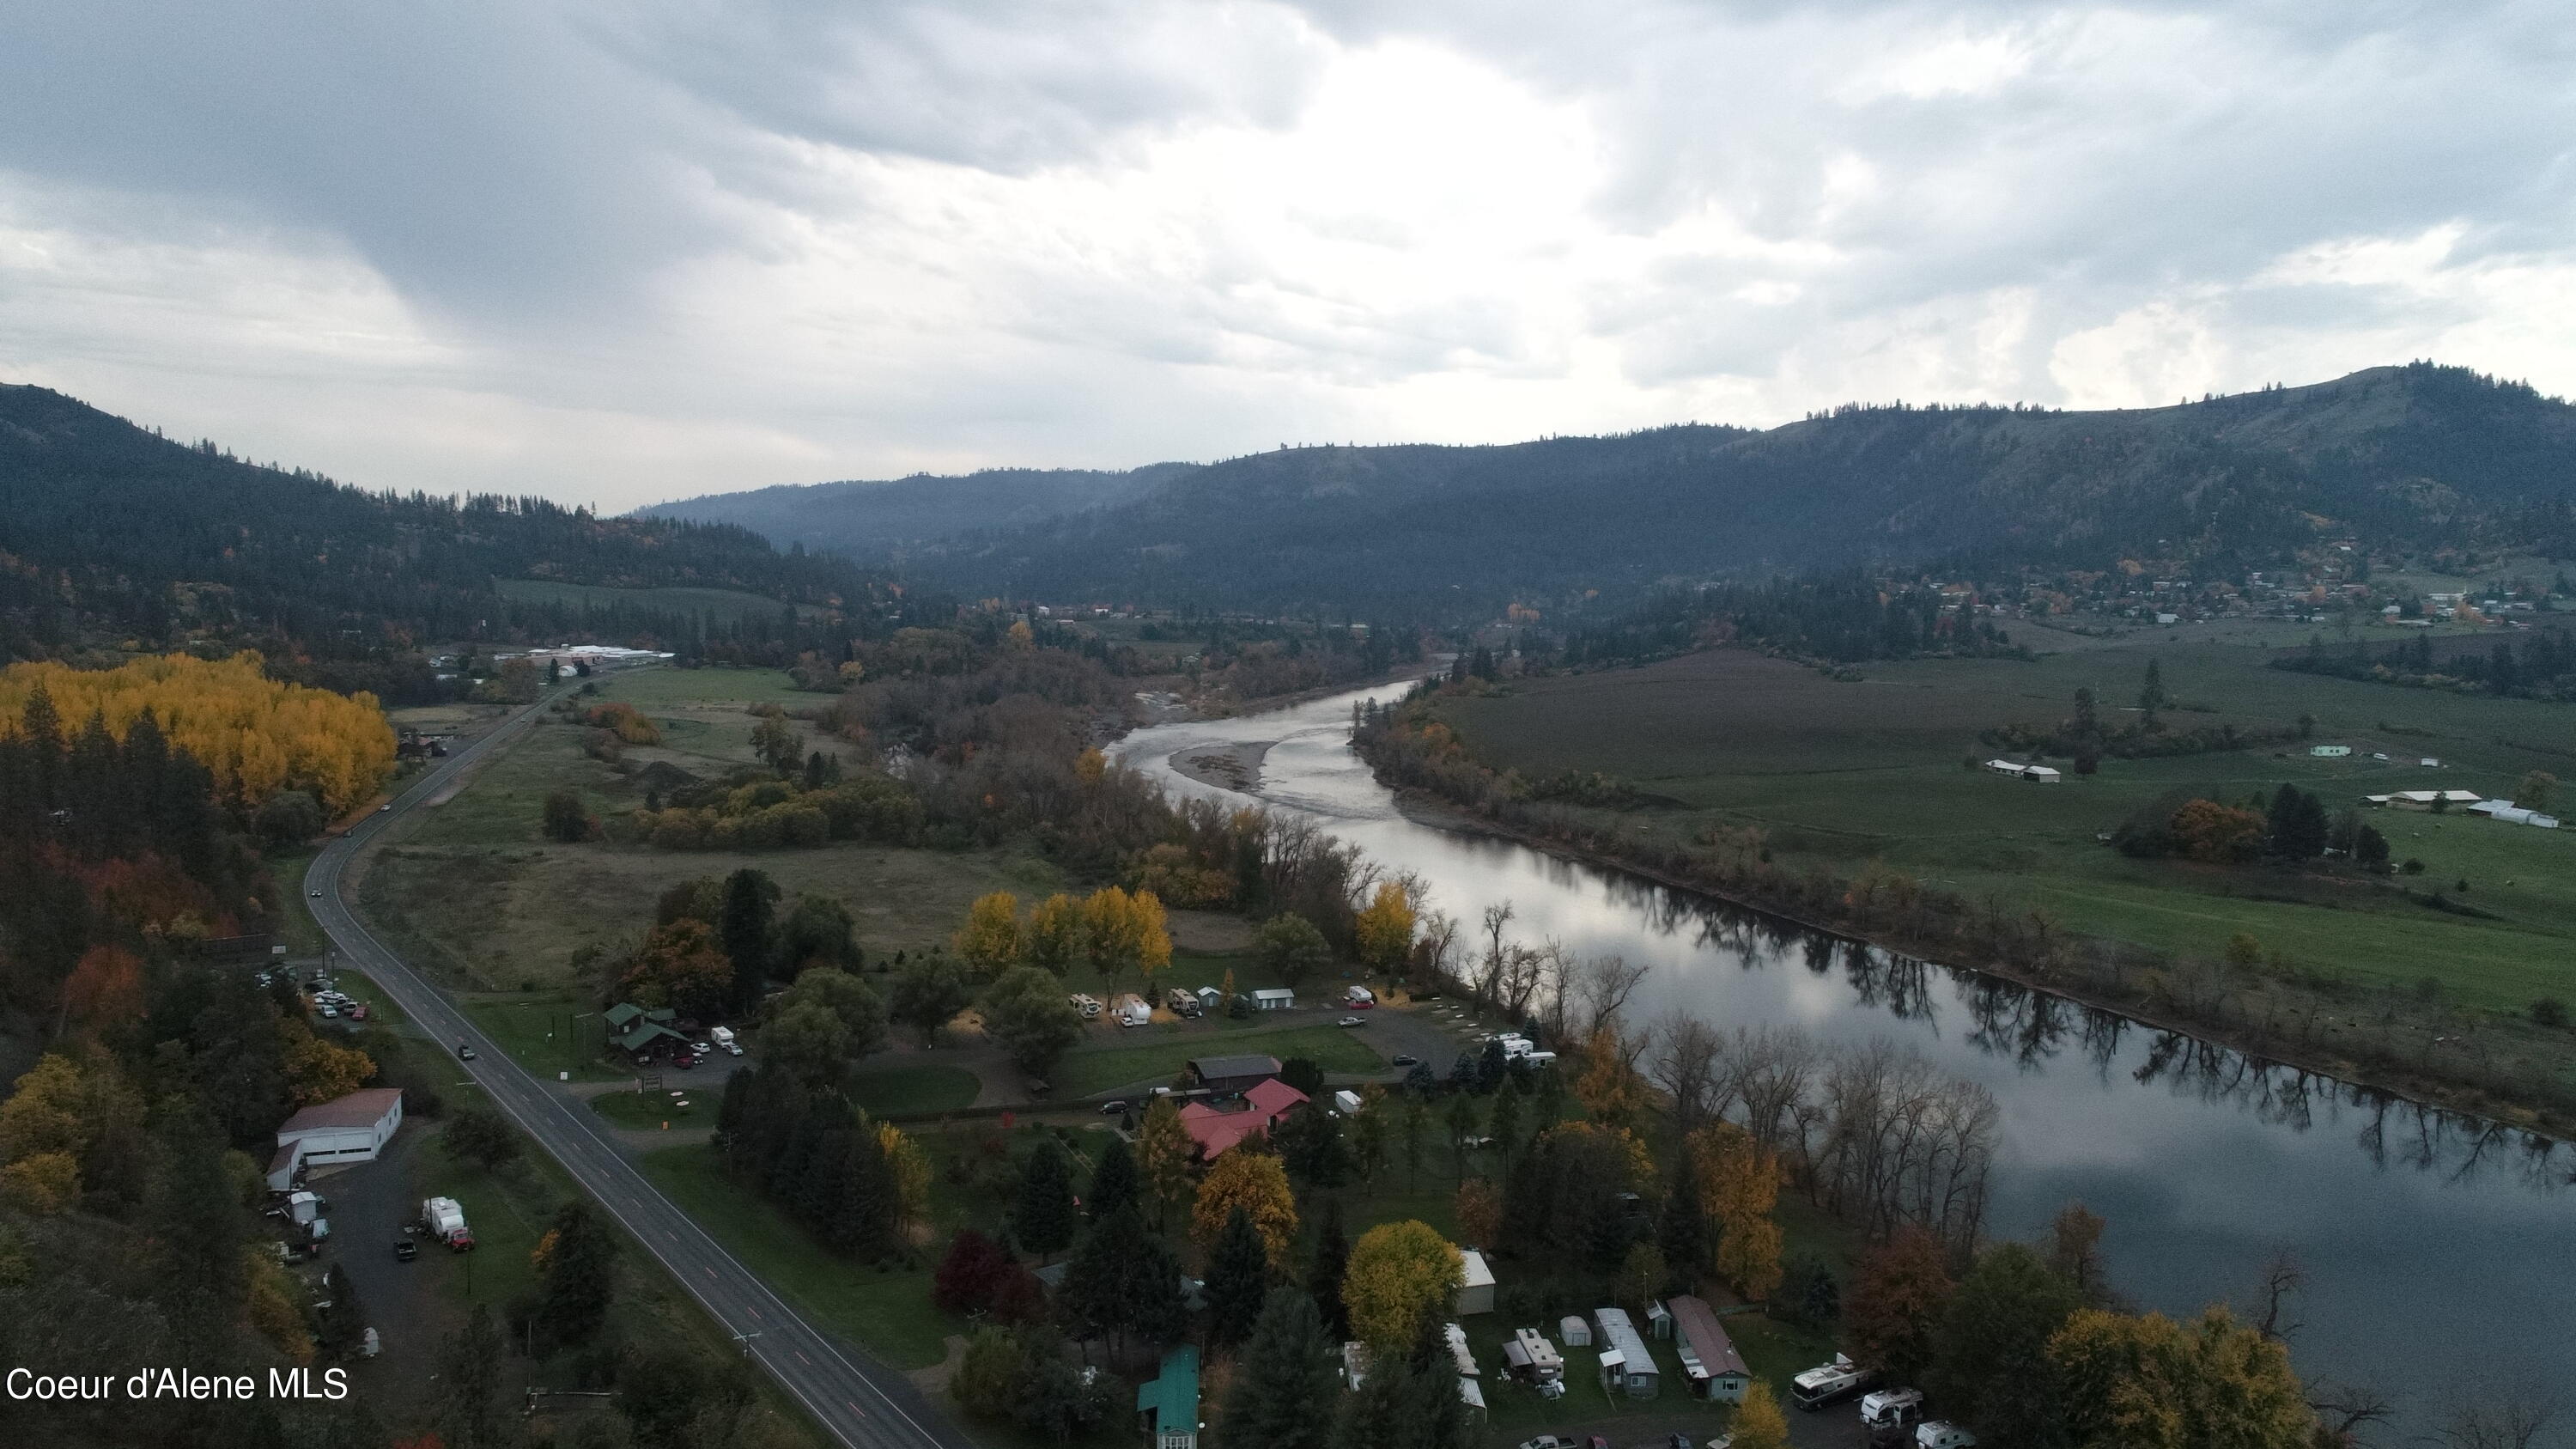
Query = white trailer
x=443 y=1218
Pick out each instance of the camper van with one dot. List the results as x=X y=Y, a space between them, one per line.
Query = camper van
x=1891 y=1416
x=1532 y=1358
x=1829 y=1383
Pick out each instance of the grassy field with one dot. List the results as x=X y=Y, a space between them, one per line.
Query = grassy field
x=1844 y=772
x=1333 y=1048
x=914 y=1089
x=471 y=888
x=727 y=604
x=649 y=1111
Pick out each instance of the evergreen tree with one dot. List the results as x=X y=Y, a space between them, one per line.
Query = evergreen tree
x=1125 y=1281
x=576 y=1277
x=1682 y=1231
x=1990 y=1360
x=1042 y=1215
x=1324 y=1278
x=1284 y=1378
x=744 y=925
x=469 y=1378
x=862 y=1222
x=1115 y=1185
x=1238 y=1279
x=2151 y=696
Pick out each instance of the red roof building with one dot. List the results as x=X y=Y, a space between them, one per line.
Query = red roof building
x=1215 y=1131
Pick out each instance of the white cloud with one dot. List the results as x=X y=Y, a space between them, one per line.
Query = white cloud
x=679 y=247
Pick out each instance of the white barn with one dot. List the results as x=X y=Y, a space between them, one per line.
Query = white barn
x=353 y=1128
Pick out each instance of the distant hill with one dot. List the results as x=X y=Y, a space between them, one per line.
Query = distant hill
x=110 y=533
x=2416 y=458
x=875 y=518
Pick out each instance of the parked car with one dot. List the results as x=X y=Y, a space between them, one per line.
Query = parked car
x=1405 y=1061
x=1354 y=1021
x=1112 y=1109
x=357 y=1011
x=406 y=1250
x=699 y=1048
x=685 y=1061
x=328 y=1010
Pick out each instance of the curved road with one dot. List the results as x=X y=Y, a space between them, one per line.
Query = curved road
x=857 y=1402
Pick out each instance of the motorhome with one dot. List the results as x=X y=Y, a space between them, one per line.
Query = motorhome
x=1532 y=1358
x=1937 y=1435
x=1829 y=1383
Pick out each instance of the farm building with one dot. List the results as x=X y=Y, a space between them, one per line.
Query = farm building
x=1224 y=1075
x=1168 y=1407
x=2512 y=814
x=1476 y=1292
x=1709 y=1360
x=1215 y=1129
x=353 y=1128
x=1273 y=998
x=2036 y=774
x=1626 y=1364
x=2424 y=799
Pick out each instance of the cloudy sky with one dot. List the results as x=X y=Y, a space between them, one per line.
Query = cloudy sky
x=631 y=251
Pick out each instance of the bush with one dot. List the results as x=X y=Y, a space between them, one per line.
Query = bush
x=2550 y=1012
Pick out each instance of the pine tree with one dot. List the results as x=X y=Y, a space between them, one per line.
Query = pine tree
x=1238 y=1279
x=1285 y=1376
x=577 y=1278
x=1683 y=1230
x=1042 y=1217
x=1324 y=1278
x=1115 y=1185
x=863 y=1221
x=745 y=926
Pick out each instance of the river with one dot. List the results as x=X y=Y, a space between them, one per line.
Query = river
x=2438 y=1248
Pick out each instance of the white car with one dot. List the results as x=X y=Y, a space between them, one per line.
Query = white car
x=1354 y=1021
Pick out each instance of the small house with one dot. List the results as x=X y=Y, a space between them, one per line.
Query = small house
x=1627 y=1366
x=1229 y=1075
x=1659 y=1322
x=1211 y=1000
x=1710 y=1362
x=1476 y=1290
x=1273 y=998
x=1575 y=1332
x=1167 y=1407
x=1346 y=1102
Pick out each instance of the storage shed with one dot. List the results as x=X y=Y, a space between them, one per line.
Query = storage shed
x=1273 y=998
x=353 y=1128
x=1626 y=1364
x=1476 y=1290
x=1709 y=1358
x=1575 y=1332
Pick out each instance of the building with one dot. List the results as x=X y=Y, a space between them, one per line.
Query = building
x=2036 y=774
x=1627 y=1366
x=2512 y=814
x=640 y=1032
x=1476 y=1290
x=1575 y=1332
x=2330 y=752
x=1210 y=999
x=1215 y=1129
x=2425 y=799
x=1709 y=1360
x=353 y=1128
x=1167 y=1407
x=1223 y=1076
x=1273 y=998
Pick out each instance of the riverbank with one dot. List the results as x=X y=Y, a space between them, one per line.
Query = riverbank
x=2430 y=1089
x=1234 y=767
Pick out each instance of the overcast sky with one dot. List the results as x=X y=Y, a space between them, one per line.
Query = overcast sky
x=631 y=251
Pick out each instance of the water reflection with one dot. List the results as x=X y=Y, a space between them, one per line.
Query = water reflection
x=2436 y=1244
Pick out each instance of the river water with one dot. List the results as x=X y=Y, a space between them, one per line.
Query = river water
x=2440 y=1251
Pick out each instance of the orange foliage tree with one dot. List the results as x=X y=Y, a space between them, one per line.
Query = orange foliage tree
x=105 y=989
x=2207 y=830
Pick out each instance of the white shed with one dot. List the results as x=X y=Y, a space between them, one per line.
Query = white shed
x=1476 y=1290
x=1575 y=1332
x=1274 y=998
x=353 y=1128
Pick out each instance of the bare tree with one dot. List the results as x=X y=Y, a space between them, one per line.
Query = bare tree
x=1685 y=1064
x=1435 y=951
x=2512 y=1418
x=1490 y=987
x=2344 y=1410
x=1602 y=986
x=2282 y=1279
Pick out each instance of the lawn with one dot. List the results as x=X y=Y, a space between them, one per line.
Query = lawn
x=914 y=1089
x=1840 y=772
x=652 y=1111
x=1084 y=1073
x=890 y=1313
x=652 y=689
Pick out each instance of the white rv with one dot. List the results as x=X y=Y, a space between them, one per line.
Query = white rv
x=1827 y=1383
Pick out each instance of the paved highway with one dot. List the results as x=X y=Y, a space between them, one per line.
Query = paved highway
x=857 y=1402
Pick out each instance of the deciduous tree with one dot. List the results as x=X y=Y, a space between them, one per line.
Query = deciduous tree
x=1163 y=1150
x=1758 y=1422
x=2149 y=1383
x=1054 y=938
x=929 y=991
x=989 y=942
x=1291 y=949
x=1991 y=1365
x=1255 y=1181
x=1026 y=1012
x=1400 y=1275
x=1899 y=1292
x=1384 y=931
x=1479 y=1209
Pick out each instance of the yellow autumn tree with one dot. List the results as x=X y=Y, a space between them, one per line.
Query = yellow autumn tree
x=2151 y=1383
x=1385 y=929
x=320 y=1071
x=1759 y=1424
x=254 y=734
x=1609 y=1088
x=1053 y=940
x=1256 y=1182
x=1163 y=1149
x=909 y=1167
x=1399 y=1275
x=1148 y=936
x=989 y=942
x=42 y=1183
x=1104 y=930
x=1740 y=1183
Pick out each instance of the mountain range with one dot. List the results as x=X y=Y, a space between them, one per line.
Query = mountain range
x=2418 y=459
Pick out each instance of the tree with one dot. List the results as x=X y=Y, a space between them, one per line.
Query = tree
x=1413 y=1127
x=1026 y=1012
x=1238 y=1279
x=1504 y=1121
x=989 y=942
x=1991 y=1366
x=1304 y=1074
x=743 y=927
x=1479 y=1209
x=292 y=817
x=989 y=1377
x=907 y=1172
x=1743 y=1183
x=1682 y=1228
x=968 y=1273
x=575 y=1274
x=1042 y=1212
x=1310 y=1141
x=1163 y=1150
x=2297 y=824
x=1609 y=1089
x=477 y=1135
x=1641 y=1278
x=680 y=966
x=2150 y=1383
x=818 y=933
x=928 y=993
x=1461 y=1121
x=565 y=819
x=1054 y=941
x=1107 y=931
x=1284 y=1378
x=1291 y=949
x=1384 y=931
x=1401 y=1274
x=1124 y=1282
x=1809 y=1293
x=850 y=1000
x=2075 y=1250
x=2152 y=697
x=2208 y=831
x=1255 y=1181
x=1759 y=1423
x=1115 y=1184
x=469 y=1361
x=1899 y=1292
x=809 y=1042
x=1324 y=1275
x=777 y=743
x=2536 y=790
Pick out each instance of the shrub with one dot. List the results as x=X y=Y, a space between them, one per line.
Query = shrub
x=2550 y=1012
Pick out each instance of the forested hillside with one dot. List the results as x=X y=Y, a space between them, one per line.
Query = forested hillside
x=113 y=535
x=861 y=519
x=2418 y=459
